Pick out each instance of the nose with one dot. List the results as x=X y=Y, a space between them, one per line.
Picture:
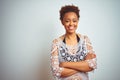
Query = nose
x=71 y=23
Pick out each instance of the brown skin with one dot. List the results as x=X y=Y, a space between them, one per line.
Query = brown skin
x=79 y=66
x=70 y=23
x=74 y=67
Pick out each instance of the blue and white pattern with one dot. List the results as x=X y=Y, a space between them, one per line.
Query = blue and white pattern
x=63 y=53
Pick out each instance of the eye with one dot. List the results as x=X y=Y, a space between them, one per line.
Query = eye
x=67 y=21
x=74 y=20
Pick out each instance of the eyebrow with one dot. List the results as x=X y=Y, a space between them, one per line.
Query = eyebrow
x=72 y=19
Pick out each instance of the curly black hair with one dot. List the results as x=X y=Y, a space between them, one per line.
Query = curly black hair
x=69 y=8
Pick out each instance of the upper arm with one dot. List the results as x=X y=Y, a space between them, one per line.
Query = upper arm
x=54 y=59
x=91 y=56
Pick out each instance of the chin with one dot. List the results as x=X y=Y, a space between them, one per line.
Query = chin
x=71 y=32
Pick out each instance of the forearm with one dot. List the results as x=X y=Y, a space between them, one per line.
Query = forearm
x=68 y=72
x=82 y=66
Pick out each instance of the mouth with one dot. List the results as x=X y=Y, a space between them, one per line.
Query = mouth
x=71 y=27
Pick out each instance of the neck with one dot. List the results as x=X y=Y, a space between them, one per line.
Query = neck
x=71 y=36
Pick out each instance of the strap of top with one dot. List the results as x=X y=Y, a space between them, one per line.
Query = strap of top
x=78 y=39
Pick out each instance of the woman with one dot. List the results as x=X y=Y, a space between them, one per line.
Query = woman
x=72 y=55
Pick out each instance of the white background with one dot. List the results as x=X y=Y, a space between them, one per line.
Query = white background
x=27 y=29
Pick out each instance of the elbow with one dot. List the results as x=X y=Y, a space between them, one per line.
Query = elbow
x=57 y=72
x=92 y=64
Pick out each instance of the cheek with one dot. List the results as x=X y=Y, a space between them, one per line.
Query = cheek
x=66 y=25
x=76 y=23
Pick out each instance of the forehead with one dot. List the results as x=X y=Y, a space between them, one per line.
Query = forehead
x=70 y=15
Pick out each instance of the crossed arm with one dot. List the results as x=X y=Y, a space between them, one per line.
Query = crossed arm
x=71 y=68
x=65 y=69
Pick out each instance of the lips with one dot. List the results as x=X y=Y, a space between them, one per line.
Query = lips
x=70 y=27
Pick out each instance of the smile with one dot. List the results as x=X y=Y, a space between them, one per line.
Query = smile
x=71 y=27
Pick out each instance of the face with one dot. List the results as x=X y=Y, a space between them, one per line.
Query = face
x=70 y=22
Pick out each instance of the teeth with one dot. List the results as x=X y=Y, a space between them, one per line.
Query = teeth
x=71 y=27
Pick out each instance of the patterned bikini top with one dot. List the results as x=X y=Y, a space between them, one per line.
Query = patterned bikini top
x=72 y=53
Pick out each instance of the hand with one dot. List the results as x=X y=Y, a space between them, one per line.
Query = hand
x=62 y=64
x=90 y=56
